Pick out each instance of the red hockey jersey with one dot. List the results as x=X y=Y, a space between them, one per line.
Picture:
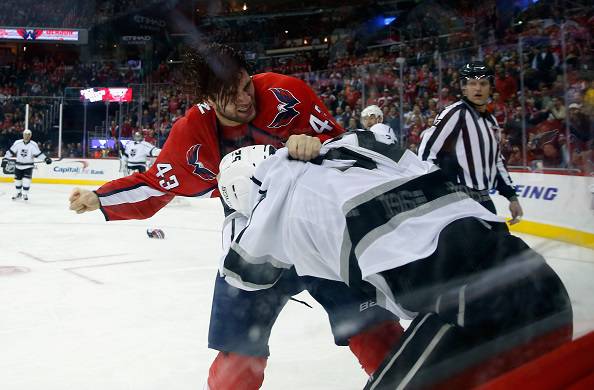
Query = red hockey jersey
x=189 y=161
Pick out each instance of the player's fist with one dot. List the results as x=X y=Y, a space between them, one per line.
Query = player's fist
x=516 y=212
x=83 y=200
x=48 y=160
x=303 y=147
x=4 y=163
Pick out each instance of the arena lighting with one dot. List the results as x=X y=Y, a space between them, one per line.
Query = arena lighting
x=245 y=6
x=389 y=20
x=523 y=4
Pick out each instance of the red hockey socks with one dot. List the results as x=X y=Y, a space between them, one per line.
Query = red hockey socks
x=231 y=371
x=372 y=345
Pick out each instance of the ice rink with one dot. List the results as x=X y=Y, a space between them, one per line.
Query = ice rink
x=87 y=304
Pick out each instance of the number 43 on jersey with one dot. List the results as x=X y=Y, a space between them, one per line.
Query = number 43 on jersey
x=168 y=181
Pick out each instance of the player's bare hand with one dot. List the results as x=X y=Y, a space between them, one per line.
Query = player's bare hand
x=516 y=212
x=82 y=200
x=303 y=147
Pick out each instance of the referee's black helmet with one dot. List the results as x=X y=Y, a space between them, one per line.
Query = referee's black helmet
x=476 y=70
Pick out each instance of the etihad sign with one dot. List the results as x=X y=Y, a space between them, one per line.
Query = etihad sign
x=39 y=34
x=107 y=94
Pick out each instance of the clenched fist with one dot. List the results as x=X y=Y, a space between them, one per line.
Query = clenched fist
x=516 y=211
x=83 y=200
x=303 y=147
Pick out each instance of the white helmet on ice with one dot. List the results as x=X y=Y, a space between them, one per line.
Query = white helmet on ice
x=235 y=172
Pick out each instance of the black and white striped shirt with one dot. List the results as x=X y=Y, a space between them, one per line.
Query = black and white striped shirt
x=464 y=143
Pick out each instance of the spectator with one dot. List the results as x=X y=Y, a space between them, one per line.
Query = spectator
x=505 y=84
x=557 y=110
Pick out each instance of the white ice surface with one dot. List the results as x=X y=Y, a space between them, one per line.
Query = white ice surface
x=100 y=306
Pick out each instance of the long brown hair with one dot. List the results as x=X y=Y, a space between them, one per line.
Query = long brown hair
x=213 y=72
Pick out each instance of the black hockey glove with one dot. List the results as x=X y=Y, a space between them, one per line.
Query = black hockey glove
x=48 y=160
x=4 y=163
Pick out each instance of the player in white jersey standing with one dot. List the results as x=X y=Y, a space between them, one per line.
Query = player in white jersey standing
x=136 y=153
x=372 y=119
x=23 y=154
x=393 y=226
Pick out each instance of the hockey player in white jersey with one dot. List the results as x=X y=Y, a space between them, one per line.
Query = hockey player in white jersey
x=372 y=119
x=383 y=221
x=22 y=154
x=137 y=152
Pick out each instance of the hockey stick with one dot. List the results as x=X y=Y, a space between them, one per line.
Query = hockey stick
x=53 y=161
x=13 y=160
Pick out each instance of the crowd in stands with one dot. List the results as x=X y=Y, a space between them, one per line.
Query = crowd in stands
x=354 y=76
x=32 y=13
x=65 y=13
x=42 y=83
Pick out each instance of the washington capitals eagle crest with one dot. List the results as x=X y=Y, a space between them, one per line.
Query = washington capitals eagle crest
x=29 y=34
x=286 y=107
x=199 y=168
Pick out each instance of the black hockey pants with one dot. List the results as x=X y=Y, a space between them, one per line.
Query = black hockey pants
x=486 y=303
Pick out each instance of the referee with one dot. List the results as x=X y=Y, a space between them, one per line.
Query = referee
x=463 y=142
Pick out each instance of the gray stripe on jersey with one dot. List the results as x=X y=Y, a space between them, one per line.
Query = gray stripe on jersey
x=399 y=218
x=461 y=305
x=228 y=273
x=345 y=254
x=259 y=259
x=358 y=200
x=345 y=250
x=375 y=192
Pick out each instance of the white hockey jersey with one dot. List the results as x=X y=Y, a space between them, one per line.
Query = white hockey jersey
x=370 y=209
x=136 y=153
x=25 y=153
x=384 y=133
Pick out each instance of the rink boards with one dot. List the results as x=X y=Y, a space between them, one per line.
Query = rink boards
x=74 y=171
x=559 y=207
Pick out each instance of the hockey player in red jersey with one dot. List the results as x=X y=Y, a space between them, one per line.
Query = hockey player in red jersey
x=238 y=110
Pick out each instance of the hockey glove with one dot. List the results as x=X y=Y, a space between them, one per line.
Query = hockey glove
x=4 y=163
x=48 y=160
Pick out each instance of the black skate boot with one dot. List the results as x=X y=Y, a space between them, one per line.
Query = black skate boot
x=17 y=196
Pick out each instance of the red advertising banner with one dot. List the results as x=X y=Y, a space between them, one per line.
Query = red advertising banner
x=107 y=94
x=39 y=34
